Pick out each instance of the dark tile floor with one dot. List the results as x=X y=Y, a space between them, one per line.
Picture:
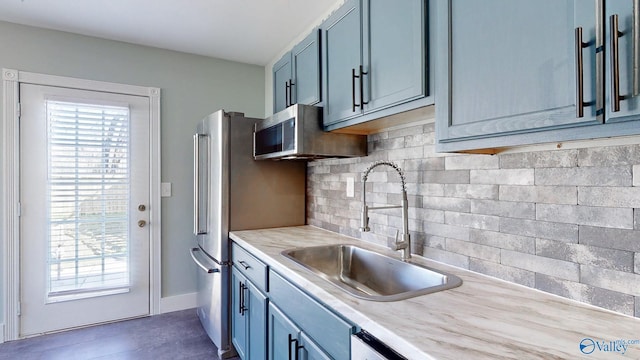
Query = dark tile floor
x=176 y=335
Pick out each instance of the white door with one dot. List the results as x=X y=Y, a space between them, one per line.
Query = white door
x=84 y=194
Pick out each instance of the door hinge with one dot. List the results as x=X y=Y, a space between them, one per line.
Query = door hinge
x=19 y=110
x=19 y=209
x=19 y=309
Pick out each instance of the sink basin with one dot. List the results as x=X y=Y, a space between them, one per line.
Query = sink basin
x=370 y=275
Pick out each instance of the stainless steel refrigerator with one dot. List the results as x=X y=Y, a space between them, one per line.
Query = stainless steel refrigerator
x=232 y=191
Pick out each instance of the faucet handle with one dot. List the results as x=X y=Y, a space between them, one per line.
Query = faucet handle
x=395 y=246
x=399 y=245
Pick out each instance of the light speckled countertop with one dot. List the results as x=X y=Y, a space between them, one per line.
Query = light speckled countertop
x=485 y=318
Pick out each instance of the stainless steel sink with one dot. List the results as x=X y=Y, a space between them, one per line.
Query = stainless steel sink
x=369 y=275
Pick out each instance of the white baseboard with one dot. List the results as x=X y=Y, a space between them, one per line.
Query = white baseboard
x=178 y=302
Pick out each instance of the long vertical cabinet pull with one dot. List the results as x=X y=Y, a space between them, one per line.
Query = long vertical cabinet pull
x=240 y=298
x=286 y=93
x=636 y=47
x=298 y=348
x=353 y=90
x=242 y=308
x=362 y=74
x=360 y=77
x=291 y=84
x=293 y=340
x=615 y=58
x=580 y=105
x=615 y=66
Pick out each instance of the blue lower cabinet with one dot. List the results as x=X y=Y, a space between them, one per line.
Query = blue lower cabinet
x=326 y=333
x=238 y=320
x=283 y=335
x=257 y=305
x=248 y=318
x=287 y=341
x=309 y=350
x=286 y=325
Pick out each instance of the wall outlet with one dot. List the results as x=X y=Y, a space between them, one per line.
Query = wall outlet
x=165 y=189
x=350 y=187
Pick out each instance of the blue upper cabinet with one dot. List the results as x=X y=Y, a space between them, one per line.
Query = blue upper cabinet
x=510 y=67
x=394 y=39
x=374 y=56
x=296 y=76
x=623 y=86
x=306 y=70
x=282 y=83
x=342 y=57
x=536 y=73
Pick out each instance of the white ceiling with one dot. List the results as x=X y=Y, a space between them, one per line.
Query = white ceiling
x=249 y=31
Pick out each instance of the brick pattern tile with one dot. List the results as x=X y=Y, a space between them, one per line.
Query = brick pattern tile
x=563 y=221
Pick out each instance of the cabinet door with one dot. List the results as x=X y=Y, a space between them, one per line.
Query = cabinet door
x=238 y=314
x=281 y=79
x=511 y=67
x=342 y=55
x=309 y=350
x=306 y=70
x=283 y=335
x=395 y=55
x=629 y=104
x=256 y=303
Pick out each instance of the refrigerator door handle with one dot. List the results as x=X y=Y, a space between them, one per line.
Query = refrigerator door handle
x=207 y=269
x=197 y=230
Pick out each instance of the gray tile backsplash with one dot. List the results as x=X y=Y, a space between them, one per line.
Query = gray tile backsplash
x=561 y=221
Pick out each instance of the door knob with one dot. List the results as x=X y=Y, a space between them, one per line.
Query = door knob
x=141 y=207
x=142 y=223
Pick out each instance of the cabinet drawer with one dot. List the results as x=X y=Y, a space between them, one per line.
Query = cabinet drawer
x=254 y=269
x=329 y=331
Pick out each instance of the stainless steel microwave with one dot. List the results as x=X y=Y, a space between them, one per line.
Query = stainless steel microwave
x=296 y=133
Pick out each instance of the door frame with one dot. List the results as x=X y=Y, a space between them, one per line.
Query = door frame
x=10 y=166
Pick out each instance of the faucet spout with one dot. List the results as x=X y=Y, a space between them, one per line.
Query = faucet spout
x=405 y=244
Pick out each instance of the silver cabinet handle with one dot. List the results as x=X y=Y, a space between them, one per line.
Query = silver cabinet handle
x=202 y=266
x=244 y=265
x=579 y=73
x=615 y=66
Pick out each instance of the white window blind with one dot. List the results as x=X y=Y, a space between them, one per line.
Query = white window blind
x=88 y=198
